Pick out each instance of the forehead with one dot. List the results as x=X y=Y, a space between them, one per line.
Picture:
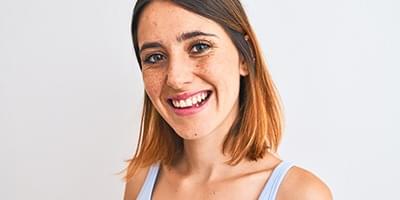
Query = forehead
x=163 y=20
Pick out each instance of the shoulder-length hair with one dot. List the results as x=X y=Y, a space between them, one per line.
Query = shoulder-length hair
x=258 y=126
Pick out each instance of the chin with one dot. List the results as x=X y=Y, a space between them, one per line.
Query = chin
x=191 y=135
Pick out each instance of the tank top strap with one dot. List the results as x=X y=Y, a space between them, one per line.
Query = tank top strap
x=269 y=192
x=271 y=187
x=148 y=185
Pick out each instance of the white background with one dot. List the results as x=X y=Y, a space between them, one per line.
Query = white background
x=71 y=94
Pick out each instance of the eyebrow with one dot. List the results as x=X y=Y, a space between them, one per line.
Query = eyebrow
x=149 y=45
x=180 y=38
x=189 y=35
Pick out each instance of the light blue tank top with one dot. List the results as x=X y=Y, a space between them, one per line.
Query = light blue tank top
x=268 y=193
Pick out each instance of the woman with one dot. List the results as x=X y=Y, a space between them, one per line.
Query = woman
x=211 y=121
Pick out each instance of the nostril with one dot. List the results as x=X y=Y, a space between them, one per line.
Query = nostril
x=178 y=78
x=177 y=83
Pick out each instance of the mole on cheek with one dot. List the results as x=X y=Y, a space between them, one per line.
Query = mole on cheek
x=154 y=23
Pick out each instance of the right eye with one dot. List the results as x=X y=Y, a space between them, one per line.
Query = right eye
x=154 y=58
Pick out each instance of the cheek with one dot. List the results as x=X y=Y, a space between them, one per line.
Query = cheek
x=152 y=83
x=217 y=66
x=205 y=65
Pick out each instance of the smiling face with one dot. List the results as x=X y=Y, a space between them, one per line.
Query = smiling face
x=191 y=69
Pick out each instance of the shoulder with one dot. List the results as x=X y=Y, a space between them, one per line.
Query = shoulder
x=133 y=185
x=303 y=185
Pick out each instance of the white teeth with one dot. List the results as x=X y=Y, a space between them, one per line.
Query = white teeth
x=175 y=103
x=189 y=102
x=182 y=103
x=194 y=100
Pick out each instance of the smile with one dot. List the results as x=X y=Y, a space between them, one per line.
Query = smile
x=188 y=104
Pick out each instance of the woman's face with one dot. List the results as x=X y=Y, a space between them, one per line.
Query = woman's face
x=191 y=69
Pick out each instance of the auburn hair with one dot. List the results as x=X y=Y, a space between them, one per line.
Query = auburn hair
x=258 y=126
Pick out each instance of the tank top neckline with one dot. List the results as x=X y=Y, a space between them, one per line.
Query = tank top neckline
x=269 y=191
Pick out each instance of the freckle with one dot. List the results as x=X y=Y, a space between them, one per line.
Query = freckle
x=195 y=134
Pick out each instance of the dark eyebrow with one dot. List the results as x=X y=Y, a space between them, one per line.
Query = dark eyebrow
x=188 y=35
x=182 y=37
x=150 y=45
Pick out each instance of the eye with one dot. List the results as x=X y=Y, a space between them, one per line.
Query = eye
x=154 y=58
x=199 y=48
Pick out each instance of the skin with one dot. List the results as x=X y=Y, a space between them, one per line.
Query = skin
x=207 y=62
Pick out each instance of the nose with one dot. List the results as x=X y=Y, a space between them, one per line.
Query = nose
x=179 y=74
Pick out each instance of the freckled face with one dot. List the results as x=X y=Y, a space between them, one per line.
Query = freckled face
x=183 y=53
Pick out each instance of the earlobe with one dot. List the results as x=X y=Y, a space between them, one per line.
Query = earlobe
x=243 y=68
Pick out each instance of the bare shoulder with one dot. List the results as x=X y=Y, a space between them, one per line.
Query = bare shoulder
x=301 y=184
x=133 y=186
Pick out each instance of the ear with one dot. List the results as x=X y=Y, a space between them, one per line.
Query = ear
x=243 y=67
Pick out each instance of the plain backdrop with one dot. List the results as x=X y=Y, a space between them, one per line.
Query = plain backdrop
x=71 y=94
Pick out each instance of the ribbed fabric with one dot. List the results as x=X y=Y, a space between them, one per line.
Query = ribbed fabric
x=269 y=192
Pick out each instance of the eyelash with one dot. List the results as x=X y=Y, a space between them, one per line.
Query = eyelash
x=148 y=58
x=205 y=46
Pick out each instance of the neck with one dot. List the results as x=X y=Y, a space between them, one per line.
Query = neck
x=203 y=157
x=204 y=154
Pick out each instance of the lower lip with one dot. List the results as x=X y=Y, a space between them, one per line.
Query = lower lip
x=191 y=110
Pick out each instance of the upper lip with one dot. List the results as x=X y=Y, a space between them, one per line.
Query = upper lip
x=185 y=95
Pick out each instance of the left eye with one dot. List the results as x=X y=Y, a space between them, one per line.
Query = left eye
x=199 y=48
